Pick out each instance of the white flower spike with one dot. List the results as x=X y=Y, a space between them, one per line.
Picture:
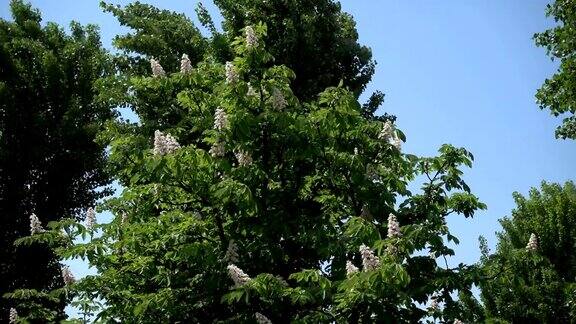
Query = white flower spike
x=278 y=101
x=238 y=276
x=90 y=218
x=369 y=260
x=218 y=149
x=164 y=143
x=251 y=91
x=351 y=268
x=157 y=70
x=387 y=131
x=261 y=319
x=251 y=37
x=396 y=142
x=244 y=158
x=185 y=64
x=532 y=243
x=393 y=227
x=388 y=134
x=67 y=276
x=35 y=225
x=220 y=119
x=231 y=74
x=13 y=318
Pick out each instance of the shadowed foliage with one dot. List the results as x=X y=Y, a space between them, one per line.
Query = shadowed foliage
x=314 y=38
x=241 y=201
x=49 y=162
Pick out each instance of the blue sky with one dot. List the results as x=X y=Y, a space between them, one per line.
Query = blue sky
x=459 y=72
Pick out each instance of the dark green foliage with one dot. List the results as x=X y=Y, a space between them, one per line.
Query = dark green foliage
x=160 y=34
x=326 y=176
x=559 y=92
x=314 y=38
x=49 y=162
x=524 y=286
x=322 y=181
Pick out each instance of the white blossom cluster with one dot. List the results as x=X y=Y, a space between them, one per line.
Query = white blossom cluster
x=387 y=131
x=251 y=91
x=231 y=255
x=185 y=64
x=157 y=70
x=124 y=218
x=220 y=119
x=457 y=321
x=90 y=218
x=532 y=243
x=231 y=74
x=388 y=134
x=13 y=318
x=67 y=276
x=261 y=319
x=238 y=276
x=218 y=149
x=35 y=225
x=164 y=143
x=350 y=268
x=278 y=101
x=369 y=260
x=396 y=142
x=251 y=37
x=393 y=227
x=244 y=158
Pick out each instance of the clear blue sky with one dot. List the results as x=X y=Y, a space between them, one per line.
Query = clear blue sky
x=459 y=72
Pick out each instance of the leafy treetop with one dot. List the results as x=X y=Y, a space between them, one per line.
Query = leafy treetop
x=243 y=202
x=559 y=92
x=49 y=162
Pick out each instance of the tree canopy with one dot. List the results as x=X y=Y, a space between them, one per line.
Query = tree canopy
x=255 y=185
x=313 y=38
x=254 y=205
x=532 y=271
x=558 y=94
x=49 y=162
